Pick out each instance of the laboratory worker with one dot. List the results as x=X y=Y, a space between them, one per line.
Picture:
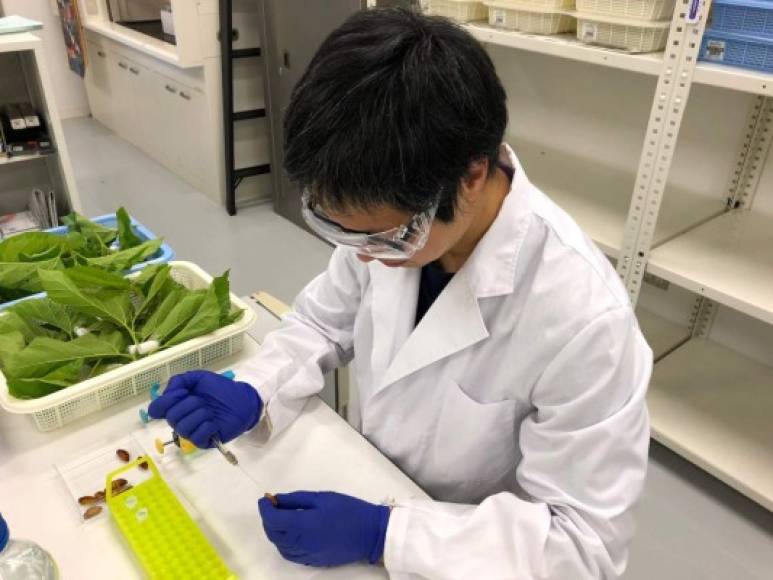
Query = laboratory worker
x=497 y=358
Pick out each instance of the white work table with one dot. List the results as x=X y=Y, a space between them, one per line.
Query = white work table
x=320 y=451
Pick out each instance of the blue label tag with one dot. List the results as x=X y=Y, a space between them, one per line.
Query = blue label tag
x=693 y=14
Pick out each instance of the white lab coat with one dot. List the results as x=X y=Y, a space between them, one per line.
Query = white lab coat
x=517 y=403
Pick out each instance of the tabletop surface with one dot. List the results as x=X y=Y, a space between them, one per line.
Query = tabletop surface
x=320 y=451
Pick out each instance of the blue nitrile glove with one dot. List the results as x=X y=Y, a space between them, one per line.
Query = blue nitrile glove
x=201 y=404
x=325 y=528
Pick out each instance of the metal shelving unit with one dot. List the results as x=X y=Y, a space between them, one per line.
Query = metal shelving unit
x=602 y=207
x=24 y=77
x=728 y=259
x=662 y=333
x=567 y=46
x=5 y=160
x=711 y=397
x=712 y=405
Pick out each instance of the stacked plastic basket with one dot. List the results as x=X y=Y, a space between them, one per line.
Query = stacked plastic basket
x=740 y=33
x=532 y=16
x=631 y=25
x=459 y=10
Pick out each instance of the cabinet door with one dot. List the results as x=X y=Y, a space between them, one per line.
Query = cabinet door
x=147 y=117
x=194 y=151
x=173 y=136
x=121 y=95
x=98 y=84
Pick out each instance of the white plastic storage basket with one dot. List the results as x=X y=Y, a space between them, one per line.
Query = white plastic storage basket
x=539 y=5
x=626 y=34
x=525 y=19
x=641 y=9
x=71 y=403
x=459 y=10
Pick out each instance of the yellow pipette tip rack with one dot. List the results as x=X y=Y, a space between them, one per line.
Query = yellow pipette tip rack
x=165 y=539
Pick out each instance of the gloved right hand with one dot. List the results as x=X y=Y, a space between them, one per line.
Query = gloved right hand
x=201 y=404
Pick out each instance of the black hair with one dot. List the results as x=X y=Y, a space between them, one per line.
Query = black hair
x=392 y=110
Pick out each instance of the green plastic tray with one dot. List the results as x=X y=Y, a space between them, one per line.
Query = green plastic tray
x=166 y=540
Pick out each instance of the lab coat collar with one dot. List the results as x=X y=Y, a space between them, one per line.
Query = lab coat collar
x=491 y=266
x=454 y=321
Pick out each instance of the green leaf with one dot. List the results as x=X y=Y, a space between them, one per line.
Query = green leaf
x=233 y=316
x=77 y=223
x=93 y=247
x=147 y=274
x=97 y=279
x=117 y=339
x=162 y=312
x=10 y=322
x=126 y=236
x=24 y=276
x=10 y=344
x=179 y=316
x=46 y=312
x=29 y=243
x=124 y=259
x=101 y=366
x=56 y=380
x=52 y=252
x=160 y=280
x=74 y=241
x=221 y=287
x=110 y=303
x=209 y=316
x=43 y=355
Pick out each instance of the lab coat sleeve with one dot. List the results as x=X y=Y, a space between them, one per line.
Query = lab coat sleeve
x=314 y=338
x=583 y=468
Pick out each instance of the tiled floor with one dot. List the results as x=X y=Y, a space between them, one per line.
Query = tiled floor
x=691 y=526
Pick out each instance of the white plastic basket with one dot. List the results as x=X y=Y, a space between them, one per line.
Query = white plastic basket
x=538 y=5
x=62 y=407
x=626 y=34
x=459 y=10
x=641 y=9
x=533 y=21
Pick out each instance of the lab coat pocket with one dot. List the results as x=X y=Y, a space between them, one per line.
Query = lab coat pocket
x=474 y=444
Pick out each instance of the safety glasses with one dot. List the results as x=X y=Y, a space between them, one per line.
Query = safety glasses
x=400 y=243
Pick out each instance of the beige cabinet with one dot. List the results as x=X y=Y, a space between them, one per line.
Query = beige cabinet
x=98 y=83
x=167 y=99
x=156 y=113
x=121 y=118
x=182 y=109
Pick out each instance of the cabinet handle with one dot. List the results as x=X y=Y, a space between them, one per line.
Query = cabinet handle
x=171 y=89
x=123 y=65
x=101 y=53
x=135 y=71
x=185 y=96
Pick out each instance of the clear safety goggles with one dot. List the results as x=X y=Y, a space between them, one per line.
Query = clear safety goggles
x=400 y=243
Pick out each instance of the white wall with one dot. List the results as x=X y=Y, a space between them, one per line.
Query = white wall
x=69 y=90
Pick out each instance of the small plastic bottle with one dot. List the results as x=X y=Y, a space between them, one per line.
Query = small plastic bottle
x=24 y=560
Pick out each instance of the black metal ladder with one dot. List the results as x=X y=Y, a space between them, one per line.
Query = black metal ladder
x=234 y=176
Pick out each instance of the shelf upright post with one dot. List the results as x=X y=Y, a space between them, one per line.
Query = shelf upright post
x=702 y=317
x=751 y=157
x=740 y=192
x=671 y=94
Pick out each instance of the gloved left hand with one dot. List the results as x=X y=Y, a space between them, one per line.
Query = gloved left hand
x=201 y=404
x=325 y=528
